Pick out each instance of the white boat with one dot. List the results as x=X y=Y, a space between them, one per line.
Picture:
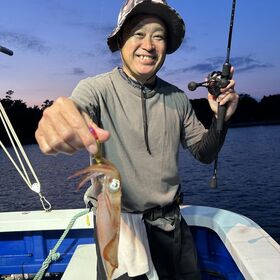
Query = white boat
x=230 y=246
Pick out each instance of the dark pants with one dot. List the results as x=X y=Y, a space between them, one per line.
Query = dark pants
x=173 y=254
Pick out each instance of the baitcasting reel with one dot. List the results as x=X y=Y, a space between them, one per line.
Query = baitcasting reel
x=215 y=81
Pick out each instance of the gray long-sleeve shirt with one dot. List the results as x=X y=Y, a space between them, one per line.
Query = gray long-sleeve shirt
x=148 y=180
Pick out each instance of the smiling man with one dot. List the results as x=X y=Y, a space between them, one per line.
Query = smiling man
x=147 y=120
x=143 y=47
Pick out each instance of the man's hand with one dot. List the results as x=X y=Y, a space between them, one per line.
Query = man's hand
x=228 y=97
x=64 y=129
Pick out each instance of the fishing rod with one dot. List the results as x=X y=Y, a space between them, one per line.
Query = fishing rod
x=6 y=51
x=215 y=81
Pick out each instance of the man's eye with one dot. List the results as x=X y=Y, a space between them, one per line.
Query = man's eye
x=159 y=37
x=139 y=34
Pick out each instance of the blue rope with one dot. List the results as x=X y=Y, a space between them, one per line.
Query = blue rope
x=53 y=255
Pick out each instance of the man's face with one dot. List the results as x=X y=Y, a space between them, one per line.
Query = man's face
x=143 y=47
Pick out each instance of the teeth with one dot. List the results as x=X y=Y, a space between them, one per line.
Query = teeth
x=146 y=57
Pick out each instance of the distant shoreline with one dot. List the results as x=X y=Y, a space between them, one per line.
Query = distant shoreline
x=254 y=123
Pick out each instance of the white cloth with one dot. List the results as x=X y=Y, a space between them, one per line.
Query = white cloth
x=134 y=253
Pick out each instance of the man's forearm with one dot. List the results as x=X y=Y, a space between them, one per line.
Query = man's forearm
x=212 y=141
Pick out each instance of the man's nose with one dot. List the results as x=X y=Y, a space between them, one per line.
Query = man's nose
x=148 y=43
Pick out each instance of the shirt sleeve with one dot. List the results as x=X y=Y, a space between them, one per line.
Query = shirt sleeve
x=192 y=129
x=210 y=144
x=85 y=96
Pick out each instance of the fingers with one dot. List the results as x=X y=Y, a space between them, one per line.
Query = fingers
x=227 y=94
x=228 y=97
x=52 y=139
x=64 y=129
x=231 y=72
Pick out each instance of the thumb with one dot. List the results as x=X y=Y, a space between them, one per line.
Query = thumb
x=100 y=134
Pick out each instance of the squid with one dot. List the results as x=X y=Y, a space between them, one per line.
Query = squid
x=107 y=190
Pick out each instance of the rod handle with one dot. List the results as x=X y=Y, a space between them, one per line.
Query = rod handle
x=221 y=117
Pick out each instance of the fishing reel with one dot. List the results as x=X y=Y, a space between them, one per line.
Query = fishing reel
x=214 y=83
x=218 y=80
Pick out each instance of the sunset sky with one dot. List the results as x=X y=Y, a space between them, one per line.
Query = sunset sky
x=56 y=43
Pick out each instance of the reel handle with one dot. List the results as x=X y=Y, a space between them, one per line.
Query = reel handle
x=6 y=51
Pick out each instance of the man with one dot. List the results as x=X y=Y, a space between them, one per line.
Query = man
x=147 y=119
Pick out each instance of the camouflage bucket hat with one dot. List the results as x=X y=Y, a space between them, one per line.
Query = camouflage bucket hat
x=173 y=21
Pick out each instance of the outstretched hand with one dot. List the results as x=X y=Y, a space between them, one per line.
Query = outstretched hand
x=64 y=129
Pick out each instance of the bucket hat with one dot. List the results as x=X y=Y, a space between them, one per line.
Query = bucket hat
x=173 y=21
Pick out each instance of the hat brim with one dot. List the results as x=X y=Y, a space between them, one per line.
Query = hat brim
x=174 y=23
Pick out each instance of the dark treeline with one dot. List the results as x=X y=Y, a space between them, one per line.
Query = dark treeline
x=24 y=119
x=249 y=112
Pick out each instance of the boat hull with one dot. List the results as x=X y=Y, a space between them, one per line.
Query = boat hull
x=230 y=246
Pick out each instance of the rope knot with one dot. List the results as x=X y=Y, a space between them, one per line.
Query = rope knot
x=55 y=256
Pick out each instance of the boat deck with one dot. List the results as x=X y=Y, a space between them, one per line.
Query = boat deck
x=230 y=246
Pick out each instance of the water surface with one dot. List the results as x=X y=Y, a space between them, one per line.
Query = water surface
x=248 y=177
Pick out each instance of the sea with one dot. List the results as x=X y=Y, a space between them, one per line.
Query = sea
x=248 y=178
